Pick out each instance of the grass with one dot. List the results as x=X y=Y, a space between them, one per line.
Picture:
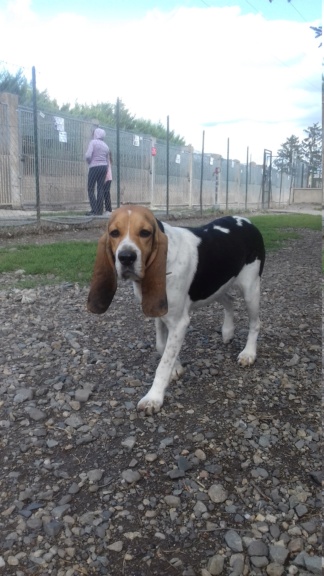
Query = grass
x=73 y=261
x=62 y=261
x=276 y=229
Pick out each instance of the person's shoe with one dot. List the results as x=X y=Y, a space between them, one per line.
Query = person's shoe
x=107 y=213
x=90 y=214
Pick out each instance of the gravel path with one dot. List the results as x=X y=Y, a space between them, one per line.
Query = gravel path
x=224 y=480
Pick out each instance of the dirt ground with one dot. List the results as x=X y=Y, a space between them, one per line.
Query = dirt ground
x=253 y=431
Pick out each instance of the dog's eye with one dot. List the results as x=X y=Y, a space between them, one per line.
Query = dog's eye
x=145 y=233
x=114 y=233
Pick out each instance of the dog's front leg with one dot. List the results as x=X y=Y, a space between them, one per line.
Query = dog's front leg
x=153 y=400
x=161 y=340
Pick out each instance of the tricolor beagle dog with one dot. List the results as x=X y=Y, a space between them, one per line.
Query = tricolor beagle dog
x=175 y=270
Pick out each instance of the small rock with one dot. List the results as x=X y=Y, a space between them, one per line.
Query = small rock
x=82 y=394
x=95 y=475
x=295 y=545
x=75 y=421
x=217 y=493
x=318 y=477
x=184 y=464
x=24 y=394
x=50 y=443
x=116 y=546
x=259 y=473
x=172 y=501
x=74 y=488
x=35 y=413
x=199 y=508
x=200 y=454
x=259 y=561
x=52 y=528
x=233 y=541
x=150 y=457
x=58 y=511
x=278 y=554
x=34 y=523
x=293 y=361
x=257 y=548
x=274 y=569
x=301 y=510
x=129 y=442
x=166 y=442
x=131 y=476
x=313 y=564
x=174 y=474
x=237 y=564
x=215 y=565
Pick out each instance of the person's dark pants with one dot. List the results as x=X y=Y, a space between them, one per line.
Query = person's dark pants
x=107 y=198
x=96 y=175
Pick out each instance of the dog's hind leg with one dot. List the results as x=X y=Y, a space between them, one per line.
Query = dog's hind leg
x=249 y=282
x=228 y=325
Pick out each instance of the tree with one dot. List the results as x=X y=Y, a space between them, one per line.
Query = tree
x=290 y=151
x=18 y=84
x=312 y=152
x=104 y=112
x=318 y=32
x=15 y=84
x=316 y=29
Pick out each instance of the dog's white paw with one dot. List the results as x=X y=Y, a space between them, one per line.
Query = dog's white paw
x=177 y=371
x=227 y=333
x=246 y=358
x=150 y=404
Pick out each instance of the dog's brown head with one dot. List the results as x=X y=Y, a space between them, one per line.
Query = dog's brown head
x=132 y=248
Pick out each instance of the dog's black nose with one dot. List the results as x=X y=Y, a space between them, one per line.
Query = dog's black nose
x=127 y=257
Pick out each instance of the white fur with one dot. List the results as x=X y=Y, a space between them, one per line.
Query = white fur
x=126 y=244
x=182 y=262
x=221 y=229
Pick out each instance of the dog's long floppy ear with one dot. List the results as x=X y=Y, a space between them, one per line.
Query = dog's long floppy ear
x=104 y=278
x=154 y=297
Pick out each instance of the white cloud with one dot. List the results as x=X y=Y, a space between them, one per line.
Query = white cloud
x=212 y=69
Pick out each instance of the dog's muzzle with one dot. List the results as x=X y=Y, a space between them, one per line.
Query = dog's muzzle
x=127 y=259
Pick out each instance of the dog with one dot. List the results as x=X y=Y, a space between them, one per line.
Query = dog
x=175 y=270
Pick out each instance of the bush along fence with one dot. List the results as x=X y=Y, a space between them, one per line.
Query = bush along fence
x=146 y=171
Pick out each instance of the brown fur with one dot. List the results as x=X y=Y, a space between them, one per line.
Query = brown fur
x=131 y=220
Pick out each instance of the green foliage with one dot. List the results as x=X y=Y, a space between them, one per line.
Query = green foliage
x=104 y=112
x=67 y=261
x=312 y=149
x=15 y=84
x=318 y=32
x=74 y=261
x=308 y=151
x=290 y=151
x=276 y=229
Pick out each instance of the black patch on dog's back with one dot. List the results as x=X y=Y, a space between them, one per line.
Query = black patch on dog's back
x=222 y=255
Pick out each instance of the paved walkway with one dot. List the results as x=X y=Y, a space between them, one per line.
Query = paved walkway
x=11 y=217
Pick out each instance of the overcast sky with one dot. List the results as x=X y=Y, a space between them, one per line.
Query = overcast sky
x=248 y=70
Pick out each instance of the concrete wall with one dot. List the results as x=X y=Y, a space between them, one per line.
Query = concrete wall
x=307 y=196
x=12 y=144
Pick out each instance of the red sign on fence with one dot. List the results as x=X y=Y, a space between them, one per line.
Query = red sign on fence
x=153 y=151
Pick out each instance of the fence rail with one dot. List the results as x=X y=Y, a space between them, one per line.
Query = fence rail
x=142 y=159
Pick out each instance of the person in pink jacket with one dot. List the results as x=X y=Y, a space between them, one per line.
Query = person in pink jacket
x=97 y=156
x=108 y=179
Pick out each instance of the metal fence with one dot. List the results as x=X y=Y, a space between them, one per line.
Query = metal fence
x=62 y=142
